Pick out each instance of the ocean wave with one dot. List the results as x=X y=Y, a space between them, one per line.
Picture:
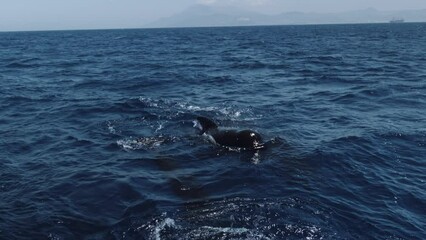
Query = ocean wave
x=30 y=62
x=237 y=219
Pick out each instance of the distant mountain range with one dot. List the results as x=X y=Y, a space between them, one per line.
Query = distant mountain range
x=203 y=16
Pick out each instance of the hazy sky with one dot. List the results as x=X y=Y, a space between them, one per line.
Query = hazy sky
x=89 y=14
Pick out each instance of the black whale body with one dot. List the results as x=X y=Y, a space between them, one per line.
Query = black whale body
x=245 y=139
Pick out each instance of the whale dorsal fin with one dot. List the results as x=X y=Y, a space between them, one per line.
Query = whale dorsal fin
x=206 y=124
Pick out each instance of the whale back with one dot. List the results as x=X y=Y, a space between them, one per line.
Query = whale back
x=250 y=139
x=245 y=139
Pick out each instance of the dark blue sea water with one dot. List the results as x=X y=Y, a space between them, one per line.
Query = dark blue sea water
x=97 y=139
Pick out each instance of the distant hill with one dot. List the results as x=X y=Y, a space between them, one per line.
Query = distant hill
x=203 y=16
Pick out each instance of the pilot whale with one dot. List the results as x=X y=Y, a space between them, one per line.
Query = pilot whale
x=245 y=139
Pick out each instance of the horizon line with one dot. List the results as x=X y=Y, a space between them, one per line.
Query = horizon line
x=184 y=27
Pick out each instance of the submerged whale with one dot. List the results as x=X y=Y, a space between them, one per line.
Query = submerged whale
x=245 y=139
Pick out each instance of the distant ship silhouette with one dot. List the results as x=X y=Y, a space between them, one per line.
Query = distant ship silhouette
x=397 y=20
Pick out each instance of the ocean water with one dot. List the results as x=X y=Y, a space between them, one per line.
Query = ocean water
x=97 y=139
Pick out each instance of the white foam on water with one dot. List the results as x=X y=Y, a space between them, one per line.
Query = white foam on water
x=148 y=101
x=256 y=158
x=160 y=127
x=140 y=143
x=168 y=222
x=312 y=232
x=206 y=232
x=227 y=111
x=111 y=128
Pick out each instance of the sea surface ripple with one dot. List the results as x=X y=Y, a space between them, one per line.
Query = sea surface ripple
x=97 y=139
